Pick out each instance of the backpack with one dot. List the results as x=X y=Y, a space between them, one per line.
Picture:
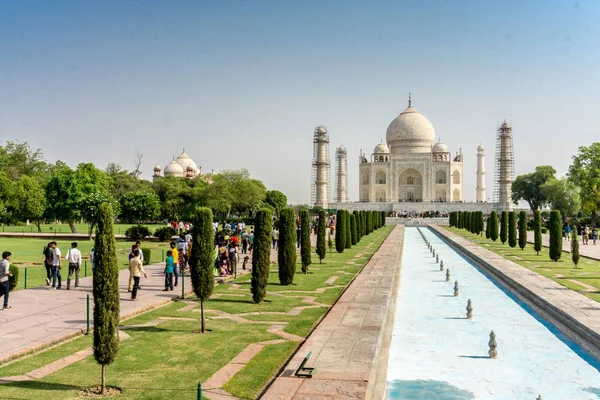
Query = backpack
x=48 y=255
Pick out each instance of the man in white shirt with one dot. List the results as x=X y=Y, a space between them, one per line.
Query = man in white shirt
x=4 y=278
x=56 y=266
x=74 y=258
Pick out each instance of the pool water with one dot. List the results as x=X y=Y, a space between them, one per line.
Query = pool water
x=437 y=353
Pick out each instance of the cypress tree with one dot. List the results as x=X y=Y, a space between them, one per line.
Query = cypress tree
x=512 y=229
x=383 y=216
x=468 y=221
x=322 y=227
x=537 y=231
x=487 y=228
x=286 y=256
x=201 y=261
x=555 y=235
x=459 y=219
x=522 y=229
x=474 y=222
x=106 y=291
x=504 y=227
x=305 y=247
x=574 y=247
x=353 y=228
x=364 y=223
x=481 y=223
x=493 y=226
x=340 y=231
x=369 y=222
x=348 y=230
x=261 y=253
x=358 y=229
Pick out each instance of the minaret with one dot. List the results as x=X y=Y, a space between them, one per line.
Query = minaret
x=480 y=198
x=320 y=166
x=341 y=169
x=505 y=167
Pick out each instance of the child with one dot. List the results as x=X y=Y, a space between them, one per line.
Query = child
x=170 y=264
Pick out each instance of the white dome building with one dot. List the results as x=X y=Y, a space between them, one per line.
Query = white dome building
x=411 y=167
x=180 y=167
x=174 y=169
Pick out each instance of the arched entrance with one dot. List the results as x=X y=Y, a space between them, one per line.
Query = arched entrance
x=410 y=186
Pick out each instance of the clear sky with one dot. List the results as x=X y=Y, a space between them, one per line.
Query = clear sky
x=244 y=83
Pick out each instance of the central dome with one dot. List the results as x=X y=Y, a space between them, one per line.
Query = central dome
x=410 y=132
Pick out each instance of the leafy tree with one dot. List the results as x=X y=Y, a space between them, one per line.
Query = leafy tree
x=504 y=227
x=18 y=159
x=286 y=256
x=353 y=233
x=493 y=225
x=574 y=247
x=562 y=195
x=106 y=292
x=348 y=230
x=512 y=229
x=584 y=172
x=528 y=187
x=522 y=229
x=322 y=227
x=340 y=231
x=305 y=247
x=555 y=226
x=89 y=205
x=261 y=254
x=277 y=200
x=201 y=261
x=537 y=231
x=175 y=194
x=138 y=207
x=28 y=200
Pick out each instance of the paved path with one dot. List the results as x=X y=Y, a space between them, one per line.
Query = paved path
x=589 y=250
x=345 y=345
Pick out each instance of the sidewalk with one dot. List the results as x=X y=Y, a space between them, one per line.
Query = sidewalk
x=589 y=251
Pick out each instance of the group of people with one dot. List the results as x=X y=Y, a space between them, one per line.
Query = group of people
x=53 y=264
x=227 y=248
x=583 y=231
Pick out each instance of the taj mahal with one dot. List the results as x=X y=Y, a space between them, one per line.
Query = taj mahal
x=413 y=172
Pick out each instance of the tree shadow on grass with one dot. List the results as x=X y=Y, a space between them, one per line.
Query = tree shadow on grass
x=37 y=385
x=221 y=300
x=150 y=329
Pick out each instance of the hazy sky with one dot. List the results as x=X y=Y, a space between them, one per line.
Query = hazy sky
x=244 y=83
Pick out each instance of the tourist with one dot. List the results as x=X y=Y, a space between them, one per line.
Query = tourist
x=298 y=234
x=48 y=262
x=584 y=234
x=232 y=258
x=275 y=237
x=182 y=254
x=245 y=241
x=181 y=227
x=130 y=256
x=568 y=232
x=56 y=266
x=594 y=235
x=136 y=268
x=74 y=258
x=92 y=258
x=169 y=268
x=175 y=255
x=251 y=240
x=4 y=278
x=223 y=260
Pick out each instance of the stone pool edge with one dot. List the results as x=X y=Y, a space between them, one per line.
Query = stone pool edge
x=575 y=315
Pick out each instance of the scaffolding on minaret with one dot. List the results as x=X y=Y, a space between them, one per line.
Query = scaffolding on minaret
x=321 y=168
x=504 y=166
x=341 y=170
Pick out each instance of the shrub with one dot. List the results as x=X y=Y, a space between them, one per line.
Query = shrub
x=555 y=235
x=512 y=229
x=137 y=232
x=305 y=247
x=340 y=231
x=544 y=230
x=261 y=254
x=493 y=226
x=165 y=233
x=286 y=256
x=14 y=279
x=504 y=227
x=522 y=229
x=147 y=253
x=322 y=227
x=537 y=231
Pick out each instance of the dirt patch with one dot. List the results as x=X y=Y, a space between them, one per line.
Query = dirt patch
x=95 y=392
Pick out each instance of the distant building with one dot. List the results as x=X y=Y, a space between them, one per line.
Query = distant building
x=180 y=167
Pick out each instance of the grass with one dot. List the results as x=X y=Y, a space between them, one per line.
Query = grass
x=27 y=253
x=64 y=228
x=167 y=360
x=561 y=271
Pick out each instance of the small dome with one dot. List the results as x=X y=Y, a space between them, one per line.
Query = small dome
x=480 y=147
x=381 y=148
x=157 y=168
x=321 y=129
x=173 y=169
x=410 y=132
x=185 y=161
x=440 y=147
x=505 y=125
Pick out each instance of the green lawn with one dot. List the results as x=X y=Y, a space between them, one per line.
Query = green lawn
x=563 y=271
x=64 y=228
x=168 y=360
x=27 y=253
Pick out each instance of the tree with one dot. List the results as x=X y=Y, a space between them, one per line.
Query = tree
x=322 y=227
x=358 y=225
x=348 y=230
x=363 y=220
x=487 y=228
x=481 y=223
x=369 y=222
x=584 y=172
x=286 y=256
x=522 y=229
x=106 y=292
x=383 y=218
x=17 y=159
x=305 y=247
x=89 y=207
x=138 y=207
x=574 y=247
x=528 y=187
x=562 y=195
x=459 y=224
x=276 y=199
x=261 y=254
x=512 y=229
x=493 y=226
x=201 y=260
x=504 y=227
x=537 y=231
x=555 y=226
x=340 y=231
x=27 y=200
x=353 y=233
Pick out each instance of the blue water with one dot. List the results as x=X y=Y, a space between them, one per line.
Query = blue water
x=437 y=353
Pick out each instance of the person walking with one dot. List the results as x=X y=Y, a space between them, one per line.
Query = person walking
x=175 y=255
x=56 y=267
x=48 y=262
x=585 y=234
x=169 y=267
x=4 y=278
x=595 y=235
x=74 y=258
x=568 y=232
x=232 y=258
x=136 y=268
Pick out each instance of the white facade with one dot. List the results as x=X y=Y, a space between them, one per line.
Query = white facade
x=480 y=174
